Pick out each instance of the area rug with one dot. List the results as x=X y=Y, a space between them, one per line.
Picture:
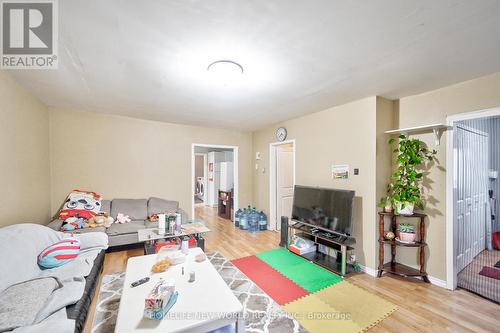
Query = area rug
x=305 y=274
x=490 y=272
x=262 y=313
x=277 y=286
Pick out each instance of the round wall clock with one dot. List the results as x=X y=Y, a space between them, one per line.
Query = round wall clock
x=281 y=134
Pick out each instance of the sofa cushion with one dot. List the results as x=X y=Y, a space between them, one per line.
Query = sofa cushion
x=22 y=243
x=20 y=303
x=125 y=228
x=106 y=206
x=158 y=205
x=87 y=230
x=136 y=209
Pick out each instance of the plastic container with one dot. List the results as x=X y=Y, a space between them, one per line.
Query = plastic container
x=262 y=221
x=244 y=220
x=185 y=245
x=253 y=221
x=237 y=217
x=175 y=257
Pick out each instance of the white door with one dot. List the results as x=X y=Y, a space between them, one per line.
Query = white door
x=284 y=182
x=471 y=194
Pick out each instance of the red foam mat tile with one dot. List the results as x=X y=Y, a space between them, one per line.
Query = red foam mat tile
x=277 y=286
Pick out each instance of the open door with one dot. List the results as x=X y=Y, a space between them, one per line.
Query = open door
x=282 y=182
x=471 y=194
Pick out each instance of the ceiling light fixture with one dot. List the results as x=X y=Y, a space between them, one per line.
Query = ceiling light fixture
x=225 y=70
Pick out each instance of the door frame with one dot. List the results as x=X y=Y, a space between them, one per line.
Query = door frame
x=273 y=223
x=451 y=278
x=235 y=172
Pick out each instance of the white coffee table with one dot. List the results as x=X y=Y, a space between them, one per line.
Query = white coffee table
x=202 y=306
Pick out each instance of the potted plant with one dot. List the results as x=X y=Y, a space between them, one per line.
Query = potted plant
x=406 y=232
x=404 y=191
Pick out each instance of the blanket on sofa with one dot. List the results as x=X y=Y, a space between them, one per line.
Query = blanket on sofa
x=19 y=246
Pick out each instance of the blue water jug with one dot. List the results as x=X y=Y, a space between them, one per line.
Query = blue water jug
x=253 y=221
x=262 y=221
x=244 y=220
x=237 y=216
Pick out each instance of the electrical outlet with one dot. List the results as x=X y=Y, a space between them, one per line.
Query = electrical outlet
x=356 y=171
x=352 y=258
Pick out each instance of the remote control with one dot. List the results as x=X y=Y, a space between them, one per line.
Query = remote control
x=139 y=282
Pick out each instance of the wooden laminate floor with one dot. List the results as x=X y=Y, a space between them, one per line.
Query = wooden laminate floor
x=421 y=307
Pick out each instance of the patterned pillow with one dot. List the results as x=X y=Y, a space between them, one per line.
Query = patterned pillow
x=59 y=253
x=78 y=208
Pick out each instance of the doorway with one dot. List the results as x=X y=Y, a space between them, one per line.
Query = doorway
x=220 y=173
x=473 y=160
x=281 y=181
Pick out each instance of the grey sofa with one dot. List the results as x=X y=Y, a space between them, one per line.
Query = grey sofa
x=46 y=300
x=137 y=209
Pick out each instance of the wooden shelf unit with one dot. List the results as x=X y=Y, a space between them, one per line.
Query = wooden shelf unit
x=394 y=267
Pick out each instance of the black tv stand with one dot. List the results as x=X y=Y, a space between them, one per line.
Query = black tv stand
x=337 y=242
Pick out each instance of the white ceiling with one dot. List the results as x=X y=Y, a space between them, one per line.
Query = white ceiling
x=148 y=59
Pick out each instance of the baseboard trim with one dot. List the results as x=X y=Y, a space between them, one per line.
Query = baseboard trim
x=368 y=270
x=437 y=282
x=373 y=272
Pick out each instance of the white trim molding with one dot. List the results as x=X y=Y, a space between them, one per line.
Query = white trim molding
x=368 y=270
x=451 y=282
x=373 y=272
x=273 y=223
x=437 y=282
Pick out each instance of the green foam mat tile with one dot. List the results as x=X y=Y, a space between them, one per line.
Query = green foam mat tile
x=280 y=258
x=307 y=275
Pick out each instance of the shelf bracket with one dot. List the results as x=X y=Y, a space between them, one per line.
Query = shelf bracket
x=437 y=133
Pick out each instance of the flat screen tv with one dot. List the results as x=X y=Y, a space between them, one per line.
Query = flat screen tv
x=329 y=209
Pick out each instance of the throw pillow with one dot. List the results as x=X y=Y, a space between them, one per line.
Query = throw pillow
x=78 y=208
x=59 y=253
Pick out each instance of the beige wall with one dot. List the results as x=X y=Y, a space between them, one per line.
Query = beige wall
x=434 y=107
x=386 y=118
x=24 y=141
x=343 y=134
x=122 y=157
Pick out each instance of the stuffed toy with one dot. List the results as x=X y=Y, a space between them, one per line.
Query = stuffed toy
x=120 y=218
x=73 y=223
x=78 y=208
x=100 y=220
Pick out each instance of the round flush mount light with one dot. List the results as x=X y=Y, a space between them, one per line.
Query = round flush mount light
x=225 y=70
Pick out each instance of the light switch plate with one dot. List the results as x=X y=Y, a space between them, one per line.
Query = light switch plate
x=257 y=155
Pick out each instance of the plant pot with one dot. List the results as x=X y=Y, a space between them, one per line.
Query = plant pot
x=388 y=208
x=408 y=210
x=407 y=237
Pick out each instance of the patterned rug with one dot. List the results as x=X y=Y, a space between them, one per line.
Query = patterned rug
x=262 y=313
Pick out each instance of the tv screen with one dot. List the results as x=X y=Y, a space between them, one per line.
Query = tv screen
x=326 y=208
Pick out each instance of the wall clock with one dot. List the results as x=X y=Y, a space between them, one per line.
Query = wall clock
x=281 y=134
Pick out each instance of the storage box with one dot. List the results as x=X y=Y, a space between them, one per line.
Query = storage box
x=301 y=251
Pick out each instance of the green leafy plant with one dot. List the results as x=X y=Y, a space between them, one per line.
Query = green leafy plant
x=406 y=227
x=411 y=157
